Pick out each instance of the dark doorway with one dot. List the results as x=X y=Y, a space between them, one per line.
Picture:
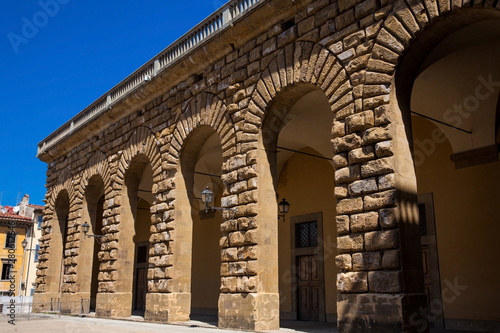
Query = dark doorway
x=141 y=279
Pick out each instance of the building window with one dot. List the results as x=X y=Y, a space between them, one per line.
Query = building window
x=10 y=240
x=306 y=234
x=36 y=252
x=32 y=291
x=6 y=268
x=40 y=220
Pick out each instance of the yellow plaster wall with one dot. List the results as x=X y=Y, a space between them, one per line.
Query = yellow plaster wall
x=307 y=183
x=4 y=254
x=468 y=227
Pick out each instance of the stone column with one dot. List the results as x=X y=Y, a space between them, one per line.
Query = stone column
x=249 y=297
x=381 y=283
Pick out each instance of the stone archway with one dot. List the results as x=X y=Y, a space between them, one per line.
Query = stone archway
x=118 y=252
x=296 y=71
x=204 y=116
x=389 y=76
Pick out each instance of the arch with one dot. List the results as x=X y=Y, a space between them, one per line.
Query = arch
x=204 y=109
x=408 y=20
x=96 y=165
x=142 y=141
x=295 y=66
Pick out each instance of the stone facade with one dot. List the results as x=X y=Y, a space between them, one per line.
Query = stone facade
x=350 y=50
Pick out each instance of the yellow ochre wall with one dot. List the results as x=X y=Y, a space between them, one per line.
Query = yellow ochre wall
x=467 y=219
x=4 y=254
x=307 y=183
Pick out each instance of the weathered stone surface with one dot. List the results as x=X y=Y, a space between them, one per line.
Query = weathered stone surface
x=385 y=282
x=382 y=240
x=346 y=206
x=365 y=261
x=364 y=222
x=342 y=224
x=350 y=243
x=344 y=261
x=363 y=187
x=388 y=218
x=380 y=200
x=347 y=174
x=352 y=282
x=360 y=121
x=377 y=167
x=361 y=155
x=346 y=143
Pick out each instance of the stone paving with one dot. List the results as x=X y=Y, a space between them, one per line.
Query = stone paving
x=70 y=324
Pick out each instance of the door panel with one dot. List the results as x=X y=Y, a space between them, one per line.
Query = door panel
x=309 y=286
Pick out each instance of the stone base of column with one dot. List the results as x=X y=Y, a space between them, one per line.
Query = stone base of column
x=113 y=305
x=384 y=313
x=249 y=311
x=42 y=302
x=72 y=303
x=168 y=308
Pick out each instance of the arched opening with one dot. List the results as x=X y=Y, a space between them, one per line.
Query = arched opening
x=448 y=84
x=136 y=224
x=198 y=228
x=296 y=136
x=93 y=215
x=59 y=240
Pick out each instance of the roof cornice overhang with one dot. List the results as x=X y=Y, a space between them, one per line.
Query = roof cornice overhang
x=264 y=15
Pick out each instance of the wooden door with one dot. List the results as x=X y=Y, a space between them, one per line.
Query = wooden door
x=141 y=289
x=140 y=279
x=309 y=287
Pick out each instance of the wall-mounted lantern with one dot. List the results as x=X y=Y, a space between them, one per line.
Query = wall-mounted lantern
x=207 y=196
x=86 y=228
x=283 y=208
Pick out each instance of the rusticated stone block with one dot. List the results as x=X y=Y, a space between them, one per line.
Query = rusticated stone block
x=388 y=218
x=382 y=240
x=361 y=155
x=359 y=121
x=377 y=167
x=350 y=243
x=365 y=261
x=340 y=160
x=376 y=134
x=344 y=261
x=385 y=282
x=364 y=222
x=346 y=206
x=346 y=143
x=363 y=187
x=391 y=259
x=347 y=174
x=338 y=129
x=384 y=149
x=380 y=200
x=352 y=282
x=341 y=191
x=342 y=224
x=387 y=182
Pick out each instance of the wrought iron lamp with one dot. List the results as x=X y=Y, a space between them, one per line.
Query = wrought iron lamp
x=207 y=196
x=283 y=208
x=85 y=229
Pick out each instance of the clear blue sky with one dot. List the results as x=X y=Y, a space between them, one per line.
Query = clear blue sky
x=73 y=53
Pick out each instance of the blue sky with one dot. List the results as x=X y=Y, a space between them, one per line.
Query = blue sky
x=58 y=56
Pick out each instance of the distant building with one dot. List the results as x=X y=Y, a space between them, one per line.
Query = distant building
x=35 y=212
x=13 y=231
